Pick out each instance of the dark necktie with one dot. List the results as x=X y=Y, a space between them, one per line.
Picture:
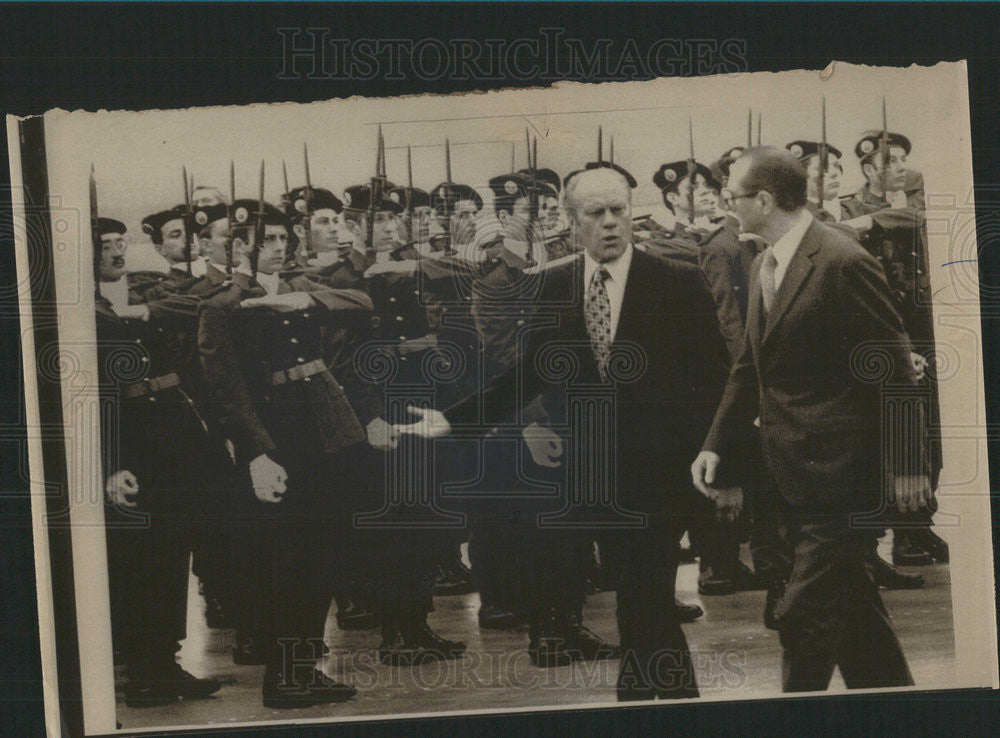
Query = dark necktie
x=597 y=313
x=767 y=289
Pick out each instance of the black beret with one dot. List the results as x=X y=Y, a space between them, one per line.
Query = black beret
x=151 y=224
x=205 y=214
x=802 y=150
x=721 y=166
x=603 y=165
x=412 y=196
x=669 y=176
x=519 y=185
x=358 y=197
x=110 y=225
x=545 y=175
x=447 y=194
x=319 y=199
x=869 y=143
x=244 y=212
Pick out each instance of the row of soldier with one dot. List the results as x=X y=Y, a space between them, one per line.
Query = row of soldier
x=258 y=380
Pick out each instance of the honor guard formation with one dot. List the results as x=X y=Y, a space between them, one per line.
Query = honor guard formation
x=321 y=400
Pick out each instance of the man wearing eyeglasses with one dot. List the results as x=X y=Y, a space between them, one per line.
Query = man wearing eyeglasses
x=819 y=304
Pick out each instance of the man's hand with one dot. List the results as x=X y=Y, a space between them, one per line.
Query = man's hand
x=289 y=302
x=728 y=502
x=919 y=365
x=544 y=444
x=121 y=487
x=431 y=424
x=268 y=479
x=703 y=472
x=913 y=492
x=405 y=266
x=382 y=436
x=133 y=312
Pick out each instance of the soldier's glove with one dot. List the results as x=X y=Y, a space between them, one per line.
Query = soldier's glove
x=382 y=436
x=133 y=312
x=287 y=303
x=544 y=444
x=121 y=487
x=268 y=478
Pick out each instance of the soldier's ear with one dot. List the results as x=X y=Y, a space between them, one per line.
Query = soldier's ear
x=300 y=232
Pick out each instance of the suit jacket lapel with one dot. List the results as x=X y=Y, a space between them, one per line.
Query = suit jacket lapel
x=634 y=289
x=798 y=269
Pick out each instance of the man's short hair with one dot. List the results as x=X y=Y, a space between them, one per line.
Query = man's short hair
x=776 y=171
x=573 y=181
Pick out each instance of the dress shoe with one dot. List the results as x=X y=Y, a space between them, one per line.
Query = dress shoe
x=888 y=577
x=247 y=650
x=747 y=580
x=316 y=688
x=351 y=616
x=687 y=613
x=548 y=650
x=584 y=644
x=447 y=584
x=932 y=543
x=774 y=593
x=905 y=552
x=422 y=635
x=172 y=684
x=711 y=584
x=493 y=617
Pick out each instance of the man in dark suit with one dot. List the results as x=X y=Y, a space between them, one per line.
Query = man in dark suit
x=819 y=311
x=645 y=332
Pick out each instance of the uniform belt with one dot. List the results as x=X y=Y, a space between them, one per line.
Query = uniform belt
x=151 y=386
x=414 y=345
x=300 y=371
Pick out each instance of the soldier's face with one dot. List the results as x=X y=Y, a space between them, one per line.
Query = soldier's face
x=706 y=199
x=174 y=235
x=421 y=223
x=895 y=172
x=463 y=223
x=323 y=234
x=549 y=211
x=831 y=180
x=601 y=214
x=113 y=248
x=272 y=251
x=385 y=231
x=204 y=196
x=516 y=222
x=214 y=246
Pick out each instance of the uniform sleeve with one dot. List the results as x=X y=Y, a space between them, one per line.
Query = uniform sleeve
x=225 y=381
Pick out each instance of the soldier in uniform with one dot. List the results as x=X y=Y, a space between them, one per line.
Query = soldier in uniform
x=555 y=229
x=808 y=153
x=169 y=233
x=388 y=272
x=153 y=500
x=317 y=210
x=888 y=214
x=689 y=228
x=455 y=208
x=294 y=435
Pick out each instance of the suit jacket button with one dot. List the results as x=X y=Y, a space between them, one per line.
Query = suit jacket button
x=392 y=299
x=301 y=360
x=293 y=339
x=399 y=318
x=286 y=322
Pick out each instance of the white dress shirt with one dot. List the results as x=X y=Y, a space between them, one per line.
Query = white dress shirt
x=786 y=246
x=615 y=283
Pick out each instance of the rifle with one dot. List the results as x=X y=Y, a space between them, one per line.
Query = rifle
x=749 y=127
x=94 y=235
x=188 y=220
x=376 y=186
x=600 y=145
x=883 y=151
x=258 y=226
x=758 y=129
x=823 y=157
x=229 y=219
x=692 y=170
x=532 y=195
x=409 y=196
x=308 y=196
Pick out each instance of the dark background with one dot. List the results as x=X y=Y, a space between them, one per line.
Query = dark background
x=171 y=56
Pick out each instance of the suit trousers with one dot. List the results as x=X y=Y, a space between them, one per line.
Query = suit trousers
x=831 y=613
x=656 y=661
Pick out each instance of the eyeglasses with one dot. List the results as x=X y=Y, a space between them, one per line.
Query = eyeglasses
x=729 y=197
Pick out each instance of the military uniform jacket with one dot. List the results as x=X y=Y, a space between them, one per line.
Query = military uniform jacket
x=266 y=372
x=681 y=244
x=149 y=424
